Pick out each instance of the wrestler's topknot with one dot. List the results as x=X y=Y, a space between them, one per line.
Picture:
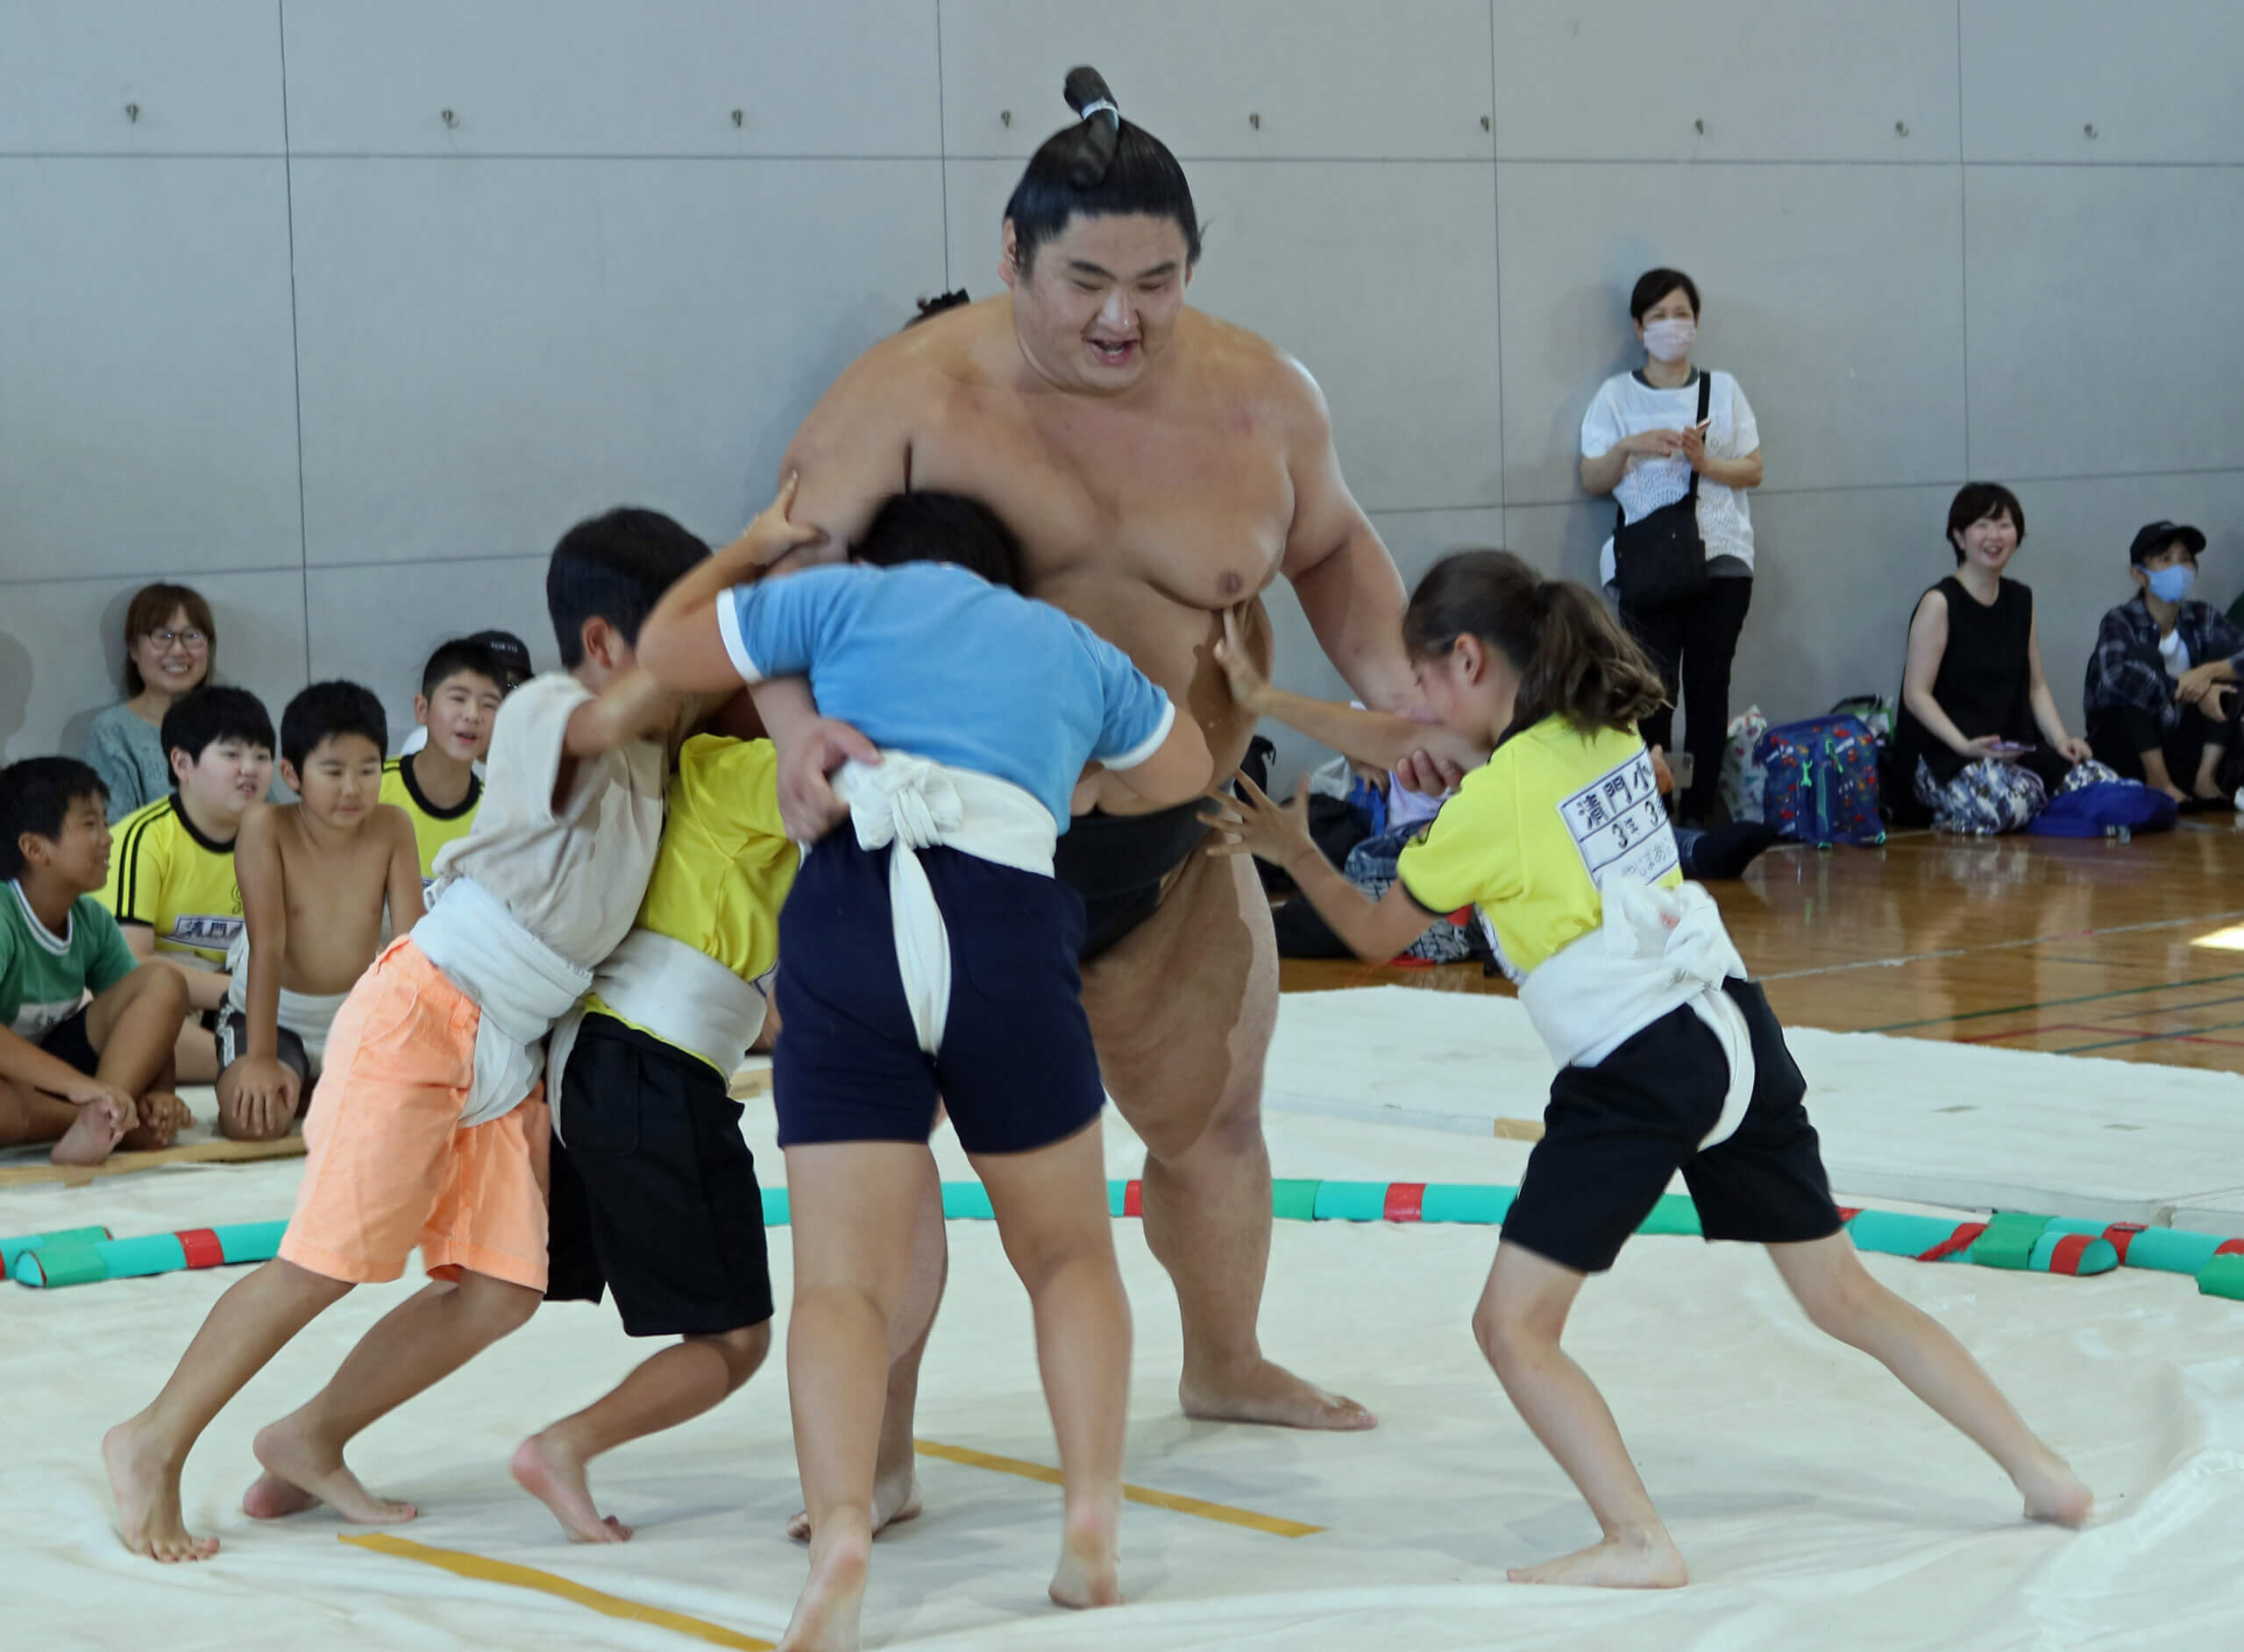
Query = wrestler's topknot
x=1101 y=165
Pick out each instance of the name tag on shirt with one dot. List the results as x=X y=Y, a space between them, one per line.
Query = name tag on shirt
x=1619 y=827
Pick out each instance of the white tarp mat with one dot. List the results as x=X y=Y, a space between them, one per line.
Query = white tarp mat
x=1900 y=1119
x=1818 y=1505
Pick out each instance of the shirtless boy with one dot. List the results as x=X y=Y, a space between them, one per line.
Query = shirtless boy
x=314 y=877
x=1160 y=467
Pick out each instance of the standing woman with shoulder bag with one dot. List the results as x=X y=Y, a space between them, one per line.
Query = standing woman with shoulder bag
x=1677 y=448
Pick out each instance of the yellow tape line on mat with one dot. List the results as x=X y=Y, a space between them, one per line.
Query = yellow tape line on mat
x=1170 y=1500
x=477 y=1566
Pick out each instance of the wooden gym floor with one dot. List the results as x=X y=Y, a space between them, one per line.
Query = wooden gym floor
x=2130 y=951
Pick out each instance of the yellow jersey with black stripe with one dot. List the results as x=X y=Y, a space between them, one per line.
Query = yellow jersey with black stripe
x=167 y=875
x=432 y=827
x=726 y=862
x=1535 y=833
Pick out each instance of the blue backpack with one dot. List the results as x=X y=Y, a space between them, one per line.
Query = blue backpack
x=1820 y=784
x=2107 y=809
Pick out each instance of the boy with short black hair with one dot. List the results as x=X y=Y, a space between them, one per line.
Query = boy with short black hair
x=88 y=1077
x=171 y=881
x=2162 y=704
x=438 y=783
x=434 y=1133
x=316 y=876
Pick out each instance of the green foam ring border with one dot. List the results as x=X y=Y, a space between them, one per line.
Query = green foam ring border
x=2008 y=1240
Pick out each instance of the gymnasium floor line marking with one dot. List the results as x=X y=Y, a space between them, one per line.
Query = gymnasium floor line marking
x=1173 y=1501
x=2127 y=1015
x=2152 y=1037
x=2010 y=946
x=481 y=1568
x=2045 y=1003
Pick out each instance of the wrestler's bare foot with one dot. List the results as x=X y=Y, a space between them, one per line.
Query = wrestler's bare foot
x=144 y=1480
x=828 y=1611
x=290 y=1452
x=270 y=1497
x=1265 y=1392
x=896 y=1499
x=1089 y=1572
x=551 y=1471
x=93 y=1136
x=162 y=1117
x=1626 y=1560
x=2055 y=1494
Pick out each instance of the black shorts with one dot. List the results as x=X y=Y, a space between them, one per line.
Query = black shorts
x=1117 y=863
x=654 y=1194
x=233 y=1044
x=67 y=1042
x=1016 y=1070
x=1615 y=1133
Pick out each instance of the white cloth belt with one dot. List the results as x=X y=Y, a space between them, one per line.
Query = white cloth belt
x=1657 y=951
x=913 y=803
x=521 y=985
x=676 y=992
x=308 y=1015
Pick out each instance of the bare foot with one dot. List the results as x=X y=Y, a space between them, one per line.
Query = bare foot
x=1272 y=1394
x=272 y=1498
x=162 y=1117
x=1637 y=1560
x=555 y=1475
x=1089 y=1572
x=94 y=1134
x=896 y=1499
x=288 y=1452
x=2055 y=1494
x=144 y=1480
x=827 y=1612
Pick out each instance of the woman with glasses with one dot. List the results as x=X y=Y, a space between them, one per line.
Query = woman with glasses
x=168 y=642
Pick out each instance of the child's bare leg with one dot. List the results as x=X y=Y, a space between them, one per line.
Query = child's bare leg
x=1843 y=1301
x=195 y=1053
x=135 y=1026
x=851 y=1207
x=677 y=1385
x=896 y=1471
x=252 y=1322
x=1522 y=1314
x=2209 y=771
x=414 y=1346
x=1052 y=1216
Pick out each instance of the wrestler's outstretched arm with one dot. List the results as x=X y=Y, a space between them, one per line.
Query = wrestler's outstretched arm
x=1250 y=823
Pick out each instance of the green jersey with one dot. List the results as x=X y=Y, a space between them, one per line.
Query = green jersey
x=43 y=975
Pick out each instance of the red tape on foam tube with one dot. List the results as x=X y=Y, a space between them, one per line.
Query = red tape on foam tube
x=1133 y=1199
x=200 y=1247
x=1959 y=1240
x=2066 y=1257
x=1405 y=1201
x=2120 y=1235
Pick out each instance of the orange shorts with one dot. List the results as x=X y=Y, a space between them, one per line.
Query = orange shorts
x=387 y=1166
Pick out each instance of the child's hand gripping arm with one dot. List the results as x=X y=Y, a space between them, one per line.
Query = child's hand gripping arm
x=263 y=1088
x=1250 y=823
x=1377 y=739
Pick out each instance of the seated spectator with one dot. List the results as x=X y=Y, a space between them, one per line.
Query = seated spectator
x=1978 y=732
x=510 y=654
x=439 y=782
x=169 y=642
x=2160 y=709
x=89 y=1077
x=1650 y=437
x=171 y=882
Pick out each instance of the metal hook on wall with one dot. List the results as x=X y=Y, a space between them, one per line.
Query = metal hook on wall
x=450 y=119
x=132 y=113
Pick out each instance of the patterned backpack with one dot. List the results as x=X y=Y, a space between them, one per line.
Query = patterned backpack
x=1822 y=782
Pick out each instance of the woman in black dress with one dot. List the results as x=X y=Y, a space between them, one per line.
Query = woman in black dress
x=1979 y=734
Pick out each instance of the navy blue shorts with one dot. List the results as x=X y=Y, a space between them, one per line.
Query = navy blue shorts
x=1016 y=1069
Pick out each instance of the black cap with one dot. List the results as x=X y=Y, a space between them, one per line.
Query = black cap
x=2158 y=535
x=511 y=654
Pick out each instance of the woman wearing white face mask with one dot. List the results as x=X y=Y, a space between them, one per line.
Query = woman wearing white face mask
x=2161 y=707
x=1669 y=437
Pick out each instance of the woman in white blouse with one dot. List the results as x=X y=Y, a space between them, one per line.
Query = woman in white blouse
x=1641 y=442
